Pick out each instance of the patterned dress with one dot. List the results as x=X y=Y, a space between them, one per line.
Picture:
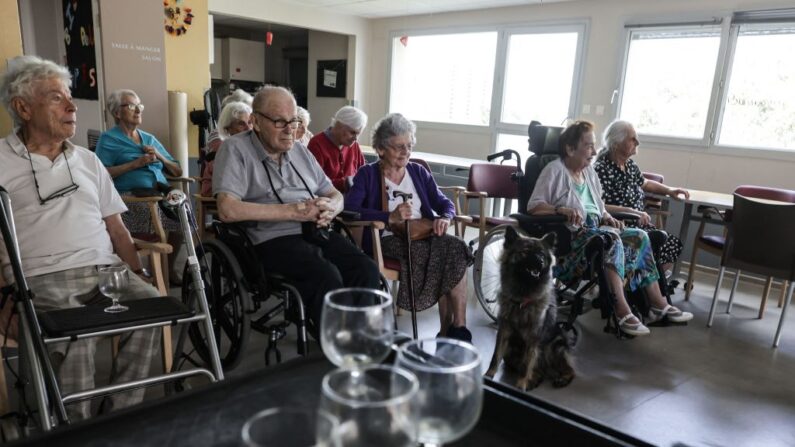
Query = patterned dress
x=624 y=188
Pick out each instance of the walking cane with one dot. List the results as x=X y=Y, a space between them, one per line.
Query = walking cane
x=406 y=197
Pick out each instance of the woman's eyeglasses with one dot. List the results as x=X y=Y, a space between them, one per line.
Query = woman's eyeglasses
x=65 y=191
x=131 y=106
x=280 y=123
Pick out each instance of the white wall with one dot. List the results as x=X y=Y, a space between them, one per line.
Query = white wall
x=686 y=166
x=324 y=46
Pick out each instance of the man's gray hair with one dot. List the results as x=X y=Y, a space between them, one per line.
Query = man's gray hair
x=351 y=117
x=238 y=95
x=303 y=115
x=615 y=133
x=22 y=72
x=232 y=111
x=268 y=92
x=392 y=125
x=114 y=101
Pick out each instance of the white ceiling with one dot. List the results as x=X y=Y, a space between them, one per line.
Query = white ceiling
x=394 y=8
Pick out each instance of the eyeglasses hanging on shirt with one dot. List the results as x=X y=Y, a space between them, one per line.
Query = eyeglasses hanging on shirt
x=65 y=191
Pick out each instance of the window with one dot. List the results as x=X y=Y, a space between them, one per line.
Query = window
x=497 y=81
x=668 y=81
x=713 y=84
x=759 y=107
x=444 y=78
x=538 y=78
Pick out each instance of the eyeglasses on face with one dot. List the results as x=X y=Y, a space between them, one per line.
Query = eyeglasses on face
x=401 y=148
x=65 y=191
x=280 y=123
x=131 y=106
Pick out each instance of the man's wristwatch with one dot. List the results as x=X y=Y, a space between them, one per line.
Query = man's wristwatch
x=143 y=272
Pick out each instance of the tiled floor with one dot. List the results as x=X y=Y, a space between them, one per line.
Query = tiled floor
x=687 y=384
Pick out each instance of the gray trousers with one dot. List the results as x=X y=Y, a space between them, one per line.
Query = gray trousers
x=74 y=361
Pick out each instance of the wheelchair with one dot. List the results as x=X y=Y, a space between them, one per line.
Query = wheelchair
x=486 y=270
x=238 y=288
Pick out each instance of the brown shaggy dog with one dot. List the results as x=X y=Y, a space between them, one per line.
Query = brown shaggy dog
x=528 y=338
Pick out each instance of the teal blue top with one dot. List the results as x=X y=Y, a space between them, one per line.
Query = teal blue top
x=584 y=193
x=114 y=148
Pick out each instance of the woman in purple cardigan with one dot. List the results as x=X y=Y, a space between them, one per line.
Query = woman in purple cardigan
x=444 y=278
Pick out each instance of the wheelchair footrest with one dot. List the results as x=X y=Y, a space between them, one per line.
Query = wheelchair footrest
x=93 y=318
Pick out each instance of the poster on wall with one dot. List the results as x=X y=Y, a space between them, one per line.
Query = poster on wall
x=331 y=78
x=81 y=58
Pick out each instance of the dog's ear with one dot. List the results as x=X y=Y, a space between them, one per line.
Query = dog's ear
x=511 y=236
x=550 y=239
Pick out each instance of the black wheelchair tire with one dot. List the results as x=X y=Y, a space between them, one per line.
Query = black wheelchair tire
x=486 y=271
x=224 y=285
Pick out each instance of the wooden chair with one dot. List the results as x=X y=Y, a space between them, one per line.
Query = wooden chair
x=715 y=244
x=760 y=240
x=487 y=181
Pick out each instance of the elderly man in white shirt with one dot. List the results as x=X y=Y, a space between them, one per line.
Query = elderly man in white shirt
x=67 y=215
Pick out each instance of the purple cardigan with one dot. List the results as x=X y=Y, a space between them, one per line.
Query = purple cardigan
x=364 y=197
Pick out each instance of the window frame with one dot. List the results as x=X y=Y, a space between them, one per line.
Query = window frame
x=504 y=32
x=729 y=33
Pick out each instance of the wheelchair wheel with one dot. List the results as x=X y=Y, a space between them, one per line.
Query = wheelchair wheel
x=229 y=302
x=486 y=272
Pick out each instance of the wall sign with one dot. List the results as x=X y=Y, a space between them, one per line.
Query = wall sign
x=331 y=78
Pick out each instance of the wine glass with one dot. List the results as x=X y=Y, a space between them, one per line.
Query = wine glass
x=294 y=426
x=451 y=388
x=356 y=326
x=374 y=404
x=112 y=282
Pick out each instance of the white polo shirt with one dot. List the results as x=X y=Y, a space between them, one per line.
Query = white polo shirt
x=66 y=232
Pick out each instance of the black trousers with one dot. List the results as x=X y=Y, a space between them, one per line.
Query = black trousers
x=316 y=270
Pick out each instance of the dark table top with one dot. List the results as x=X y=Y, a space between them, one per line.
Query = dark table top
x=214 y=415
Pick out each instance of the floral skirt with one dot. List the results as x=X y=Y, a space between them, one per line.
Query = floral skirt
x=138 y=219
x=630 y=255
x=438 y=264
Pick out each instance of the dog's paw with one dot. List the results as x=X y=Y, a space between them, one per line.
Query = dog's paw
x=534 y=382
x=561 y=381
x=490 y=373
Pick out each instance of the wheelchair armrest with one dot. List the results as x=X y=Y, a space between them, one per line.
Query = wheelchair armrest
x=157 y=247
x=624 y=217
x=349 y=215
x=539 y=220
x=377 y=224
x=464 y=219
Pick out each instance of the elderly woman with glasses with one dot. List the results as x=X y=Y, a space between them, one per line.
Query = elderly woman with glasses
x=439 y=260
x=136 y=161
x=570 y=187
x=624 y=186
x=235 y=118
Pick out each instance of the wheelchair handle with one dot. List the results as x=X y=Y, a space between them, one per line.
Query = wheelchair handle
x=508 y=154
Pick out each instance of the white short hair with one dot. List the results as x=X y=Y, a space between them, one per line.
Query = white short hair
x=114 y=101
x=615 y=133
x=238 y=95
x=23 y=71
x=351 y=117
x=231 y=112
x=304 y=116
